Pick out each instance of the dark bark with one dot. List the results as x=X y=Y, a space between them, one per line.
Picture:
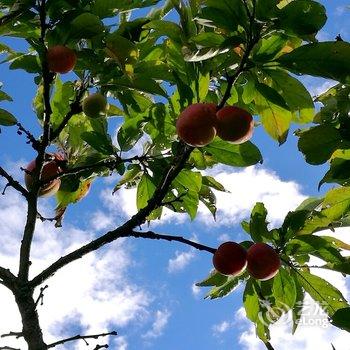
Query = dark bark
x=30 y=320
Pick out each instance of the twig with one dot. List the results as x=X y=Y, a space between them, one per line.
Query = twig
x=269 y=346
x=153 y=235
x=12 y=334
x=41 y=296
x=75 y=108
x=81 y=337
x=31 y=139
x=8 y=348
x=97 y=347
x=251 y=41
x=13 y=183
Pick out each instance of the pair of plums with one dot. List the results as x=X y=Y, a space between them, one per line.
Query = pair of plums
x=261 y=260
x=199 y=123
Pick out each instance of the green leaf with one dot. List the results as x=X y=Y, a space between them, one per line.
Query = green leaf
x=227 y=287
x=266 y=9
x=299 y=302
x=269 y=47
x=5 y=97
x=296 y=96
x=209 y=39
x=100 y=142
x=325 y=294
x=61 y=99
x=314 y=245
x=241 y=155
x=188 y=185
x=120 y=49
x=339 y=172
x=6 y=118
x=284 y=289
x=86 y=26
x=319 y=142
x=130 y=175
x=326 y=59
x=130 y=132
x=275 y=119
x=29 y=63
x=145 y=190
x=166 y=28
x=251 y=301
x=233 y=9
x=336 y=203
x=302 y=17
x=258 y=224
x=215 y=278
x=211 y=182
x=341 y=319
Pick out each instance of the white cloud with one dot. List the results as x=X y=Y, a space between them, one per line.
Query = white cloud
x=101 y=221
x=196 y=291
x=161 y=320
x=181 y=260
x=220 y=328
x=248 y=186
x=91 y=295
x=121 y=343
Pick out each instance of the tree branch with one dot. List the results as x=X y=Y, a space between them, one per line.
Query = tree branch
x=48 y=77
x=75 y=108
x=81 y=337
x=13 y=183
x=153 y=235
x=12 y=334
x=127 y=228
x=8 y=348
x=8 y=278
x=251 y=41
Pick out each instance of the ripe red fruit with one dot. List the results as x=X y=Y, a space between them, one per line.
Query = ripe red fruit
x=50 y=169
x=230 y=259
x=61 y=59
x=234 y=124
x=263 y=261
x=196 y=124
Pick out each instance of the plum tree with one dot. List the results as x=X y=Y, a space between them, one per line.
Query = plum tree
x=196 y=124
x=192 y=60
x=61 y=59
x=234 y=124
x=263 y=261
x=94 y=105
x=50 y=169
x=230 y=258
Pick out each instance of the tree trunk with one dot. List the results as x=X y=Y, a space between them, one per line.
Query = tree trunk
x=30 y=320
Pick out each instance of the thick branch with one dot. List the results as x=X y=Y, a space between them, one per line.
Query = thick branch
x=82 y=337
x=33 y=194
x=13 y=183
x=8 y=278
x=127 y=228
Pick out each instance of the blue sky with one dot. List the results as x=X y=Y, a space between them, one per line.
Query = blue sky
x=145 y=289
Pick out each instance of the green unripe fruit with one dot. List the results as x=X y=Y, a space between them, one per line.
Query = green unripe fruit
x=94 y=106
